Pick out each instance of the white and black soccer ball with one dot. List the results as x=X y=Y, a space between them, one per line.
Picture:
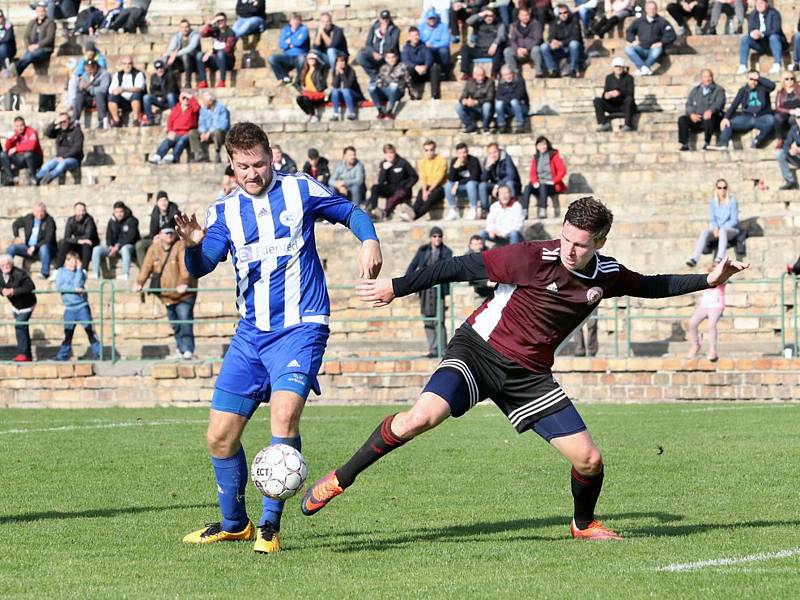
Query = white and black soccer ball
x=279 y=471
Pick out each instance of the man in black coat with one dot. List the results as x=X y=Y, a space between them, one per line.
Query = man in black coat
x=122 y=233
x=382 y=37
x=564 y=40
x=395 y=180
x=429 y=254
x=617 y=96
x=648 y=38
x=162 y=215
x=163 y=92
x=16 y=285
x=69 y=149
x=35 y=237
x=80 y=235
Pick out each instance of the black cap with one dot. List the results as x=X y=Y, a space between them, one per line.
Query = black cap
x=161 y=194
x=385 y=14
x=436 y=231
x=89 y=45
x=159 y=64
x=313 y=153
x=91 y=63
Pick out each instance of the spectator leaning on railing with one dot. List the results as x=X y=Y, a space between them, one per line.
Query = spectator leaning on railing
x=80 y=236
x=21 y=151
x=17 y=286
x=35 y=237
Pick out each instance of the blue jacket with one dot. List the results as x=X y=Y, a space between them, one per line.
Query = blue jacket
x=434 y=37
x=724 y=216
x=762 y=105
x=414 y=56
x=772 y=20
x=66 y=282
x=294 y=43
x=214 y=119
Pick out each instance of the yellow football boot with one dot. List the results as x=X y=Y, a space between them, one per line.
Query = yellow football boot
x=267 y=540
x=213 y=532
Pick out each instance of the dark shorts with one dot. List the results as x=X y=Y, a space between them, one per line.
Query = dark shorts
x=472 y=371
x=123 y=103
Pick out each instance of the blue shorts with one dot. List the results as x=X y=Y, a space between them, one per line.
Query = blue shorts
x=258 y=363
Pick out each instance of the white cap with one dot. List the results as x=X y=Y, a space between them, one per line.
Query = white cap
x=618 y=62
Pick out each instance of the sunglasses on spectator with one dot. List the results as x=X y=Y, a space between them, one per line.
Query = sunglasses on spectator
x=722 y=187
x=436 y=235
x=788 y=78
x=752 y=79
x=564 y=12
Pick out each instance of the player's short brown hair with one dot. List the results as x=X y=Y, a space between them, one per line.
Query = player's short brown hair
x=590 y=215
x=245 y=136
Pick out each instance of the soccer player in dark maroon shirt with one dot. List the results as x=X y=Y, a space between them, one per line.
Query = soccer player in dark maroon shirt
x=505 y=349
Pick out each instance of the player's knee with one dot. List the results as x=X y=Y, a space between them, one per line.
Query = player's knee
x=285 y=418
x=591 y=463
x=219 y=444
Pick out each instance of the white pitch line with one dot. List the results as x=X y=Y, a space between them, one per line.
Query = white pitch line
x=103 y=426
x=738 y=407
x=722 y=562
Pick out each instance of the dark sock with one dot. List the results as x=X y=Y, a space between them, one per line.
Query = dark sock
x=380 y=442
x=585 y=492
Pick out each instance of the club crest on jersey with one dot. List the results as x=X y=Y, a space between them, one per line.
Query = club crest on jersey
x=594 y=294
x=552 y=287
x=288 y=219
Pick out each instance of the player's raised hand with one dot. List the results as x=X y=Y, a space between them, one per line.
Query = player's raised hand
x=189 y=230
x=724 y=270
x=377 y=292
x=370 y=259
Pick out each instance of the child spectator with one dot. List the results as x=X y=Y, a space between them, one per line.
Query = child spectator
x=711 y=307
x=71 y=282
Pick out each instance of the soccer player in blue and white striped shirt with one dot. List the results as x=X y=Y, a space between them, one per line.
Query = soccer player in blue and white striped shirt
x=267 y=226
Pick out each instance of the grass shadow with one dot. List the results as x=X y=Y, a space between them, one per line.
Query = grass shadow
x=92 y=513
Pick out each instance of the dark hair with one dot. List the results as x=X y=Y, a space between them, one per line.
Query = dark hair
x=221 y=14
x=754 y=71
x=590 y=215
x=348 y=149
x=413 y=28
x=429 y=143
x=18 y=119
x=493 y=144
x=185 y=21
x=389 y=148
x=72 y=254
x=562 y=7
x=119 y=204
x=79 y=203
x=461 y=145
x=542 y=138
x=472 y=238
x=245 y=136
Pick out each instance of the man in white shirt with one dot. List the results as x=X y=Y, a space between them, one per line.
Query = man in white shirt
x=126 y=93
x=505 y=220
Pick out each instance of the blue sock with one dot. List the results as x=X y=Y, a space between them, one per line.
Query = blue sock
x=232 y=476
x=272 y=509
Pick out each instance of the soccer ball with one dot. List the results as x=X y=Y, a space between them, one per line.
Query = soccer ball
x=279 y=471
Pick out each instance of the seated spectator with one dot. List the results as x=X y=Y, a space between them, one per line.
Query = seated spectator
x=164 y=266
x=221 y=57
x=476 y=102
x=251 y=17
x=617 y=96
x=432 y=169
x=498 y=170
x=71 y=282
x=163 y=92
x=490 y=38
x=8 y=45
x=21 y=151
x=396 y=177
x=346 y=90
x=212 y=125
x=80 y=236
x=91 y=19
x=389 y=85
x=183 y=119
x=711 y=306
x=542 y=11
x=511 y=101
x=182 y=51
x=765 y=36
x=69 y=149
x=787 y=101
x=126 y=93
x=348 y=177
x=17 y=286
x=723 y=223
x=524 y=40
x=729 y=7
x=91 y=90
x=132 y=18
x=62 y=9
x=587 y=10
x=614 y=12
x=648 y=37
x=330 y=41
x=683 y=10
x=40 y=40
x=122 y=233
x=90 y=52
x=564 y=40
x=313 y=80
x=436 y=37
x=789 y=155
x=505 y=221
x=418 y=59
x=162 y=215
x=294 y=44
x=35 y=237
x=704 y=108
x=756 y=113
x=795 y=66
x=382 y=37
x=547 y=175
x=442 y=10
x=281 y=161
x=463 y=178
x=317 y=166
x=460 y=12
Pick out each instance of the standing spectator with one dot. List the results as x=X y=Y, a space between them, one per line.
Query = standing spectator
x=69 y=149
x=418 y=59
x=80 y=236
x=711 y=307
x=490 y=36
x=17 y=286
x=132 y=18
x=704 y=108
x=182 y=51
x=729 y=7
x=525 y=37
x=588 y=346
x=212 y=125
x=789 y=155
x=617 y=96
x=21 y=151
x=317 y=166
x=252 y=17
x=8 y=45
x=71 y=283
x=35 y=237
x=348 y=177
x=476 y=102
x=91 y=89
x=463 y=178
x=40 y=39
x=389 y=85
x=436 y=37
x=122 y=233
x=648 y=37
x=162 y=215
x=427 y=255
x=281 y=161
x=346 y=90
x=547 y=174
x=126 y=93
x=498 y=170
x=432 y=169
x=165 y=267
x=481 y=287
x=396 y=177
x=312 y=81
x=330 y=41
x=183 y=119
x=683 y=10
x=614 y=12
x=163 y=92
x=787 y=100
x=564 y=40
x=756 y=112
x=221 y=56
x=294 y=44
x=382 y=37
x=505 y=220
x=765 y=36
x=511 y=100
x=723 y=224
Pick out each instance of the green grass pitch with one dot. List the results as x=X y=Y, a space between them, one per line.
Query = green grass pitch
x=94 y=505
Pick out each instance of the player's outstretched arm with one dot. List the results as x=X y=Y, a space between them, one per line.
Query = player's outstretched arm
x=725 y=270
x=201 y=257
x=666 y=286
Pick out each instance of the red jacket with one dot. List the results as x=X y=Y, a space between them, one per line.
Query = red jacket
x=557 y=168
x=27 y=142
x=183 y=121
